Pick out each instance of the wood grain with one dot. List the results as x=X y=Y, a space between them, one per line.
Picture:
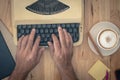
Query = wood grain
x=83 y=58
x=5 y=13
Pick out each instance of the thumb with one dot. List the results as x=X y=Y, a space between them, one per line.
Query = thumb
x=51 y=48
x=40 y=52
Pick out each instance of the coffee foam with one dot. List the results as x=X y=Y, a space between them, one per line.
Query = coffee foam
x=107 y=39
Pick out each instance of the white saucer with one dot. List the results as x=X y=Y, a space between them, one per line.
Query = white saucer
x=94 y=32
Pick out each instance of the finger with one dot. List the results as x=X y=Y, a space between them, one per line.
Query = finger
x=51 y=48
x=36 y=46
x=62 y=37
x=56 y=42
x=71 y=40
x=68 y=42
x=70 y=37
x=19 y=43
x=40 y=52
x=24 y=42
x=31 y=38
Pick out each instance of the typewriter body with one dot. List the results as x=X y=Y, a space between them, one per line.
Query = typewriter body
x=23 y=15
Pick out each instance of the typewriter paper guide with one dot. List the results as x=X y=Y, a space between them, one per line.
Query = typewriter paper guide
x=20 y=13
x=75 y=14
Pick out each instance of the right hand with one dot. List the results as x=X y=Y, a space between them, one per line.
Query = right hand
x=62 y=51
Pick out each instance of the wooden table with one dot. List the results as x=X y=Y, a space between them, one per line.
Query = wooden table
x=83 y=58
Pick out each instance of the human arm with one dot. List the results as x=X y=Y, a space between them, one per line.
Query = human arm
x=27 y=56
x=62 y=52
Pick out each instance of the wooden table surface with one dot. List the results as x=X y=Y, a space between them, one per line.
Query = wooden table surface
x=83 y=58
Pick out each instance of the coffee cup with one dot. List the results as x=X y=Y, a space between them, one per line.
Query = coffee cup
x=108 y=39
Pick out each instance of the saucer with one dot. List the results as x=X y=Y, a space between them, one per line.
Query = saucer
x=95 y=31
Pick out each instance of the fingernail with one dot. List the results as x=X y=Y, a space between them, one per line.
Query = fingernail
x=69 y=34
x=48 y=43
x=33 y=29
x=38 y=37
x=22 y=36
x=59 y=28
x=53 y=35
x=43 y=49
x=64 y=30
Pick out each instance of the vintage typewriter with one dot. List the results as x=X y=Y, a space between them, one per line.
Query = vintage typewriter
x=46 y=16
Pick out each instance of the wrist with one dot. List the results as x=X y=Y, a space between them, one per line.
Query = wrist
x=20 y=70
x=64 y=69
x=18 y=74
x=67 y=73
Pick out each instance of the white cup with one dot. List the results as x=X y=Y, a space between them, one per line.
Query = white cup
x=108 y=39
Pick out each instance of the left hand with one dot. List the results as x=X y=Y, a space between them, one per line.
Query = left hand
x=27 y=56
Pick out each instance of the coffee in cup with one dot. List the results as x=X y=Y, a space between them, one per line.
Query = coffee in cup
x=107 y=39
